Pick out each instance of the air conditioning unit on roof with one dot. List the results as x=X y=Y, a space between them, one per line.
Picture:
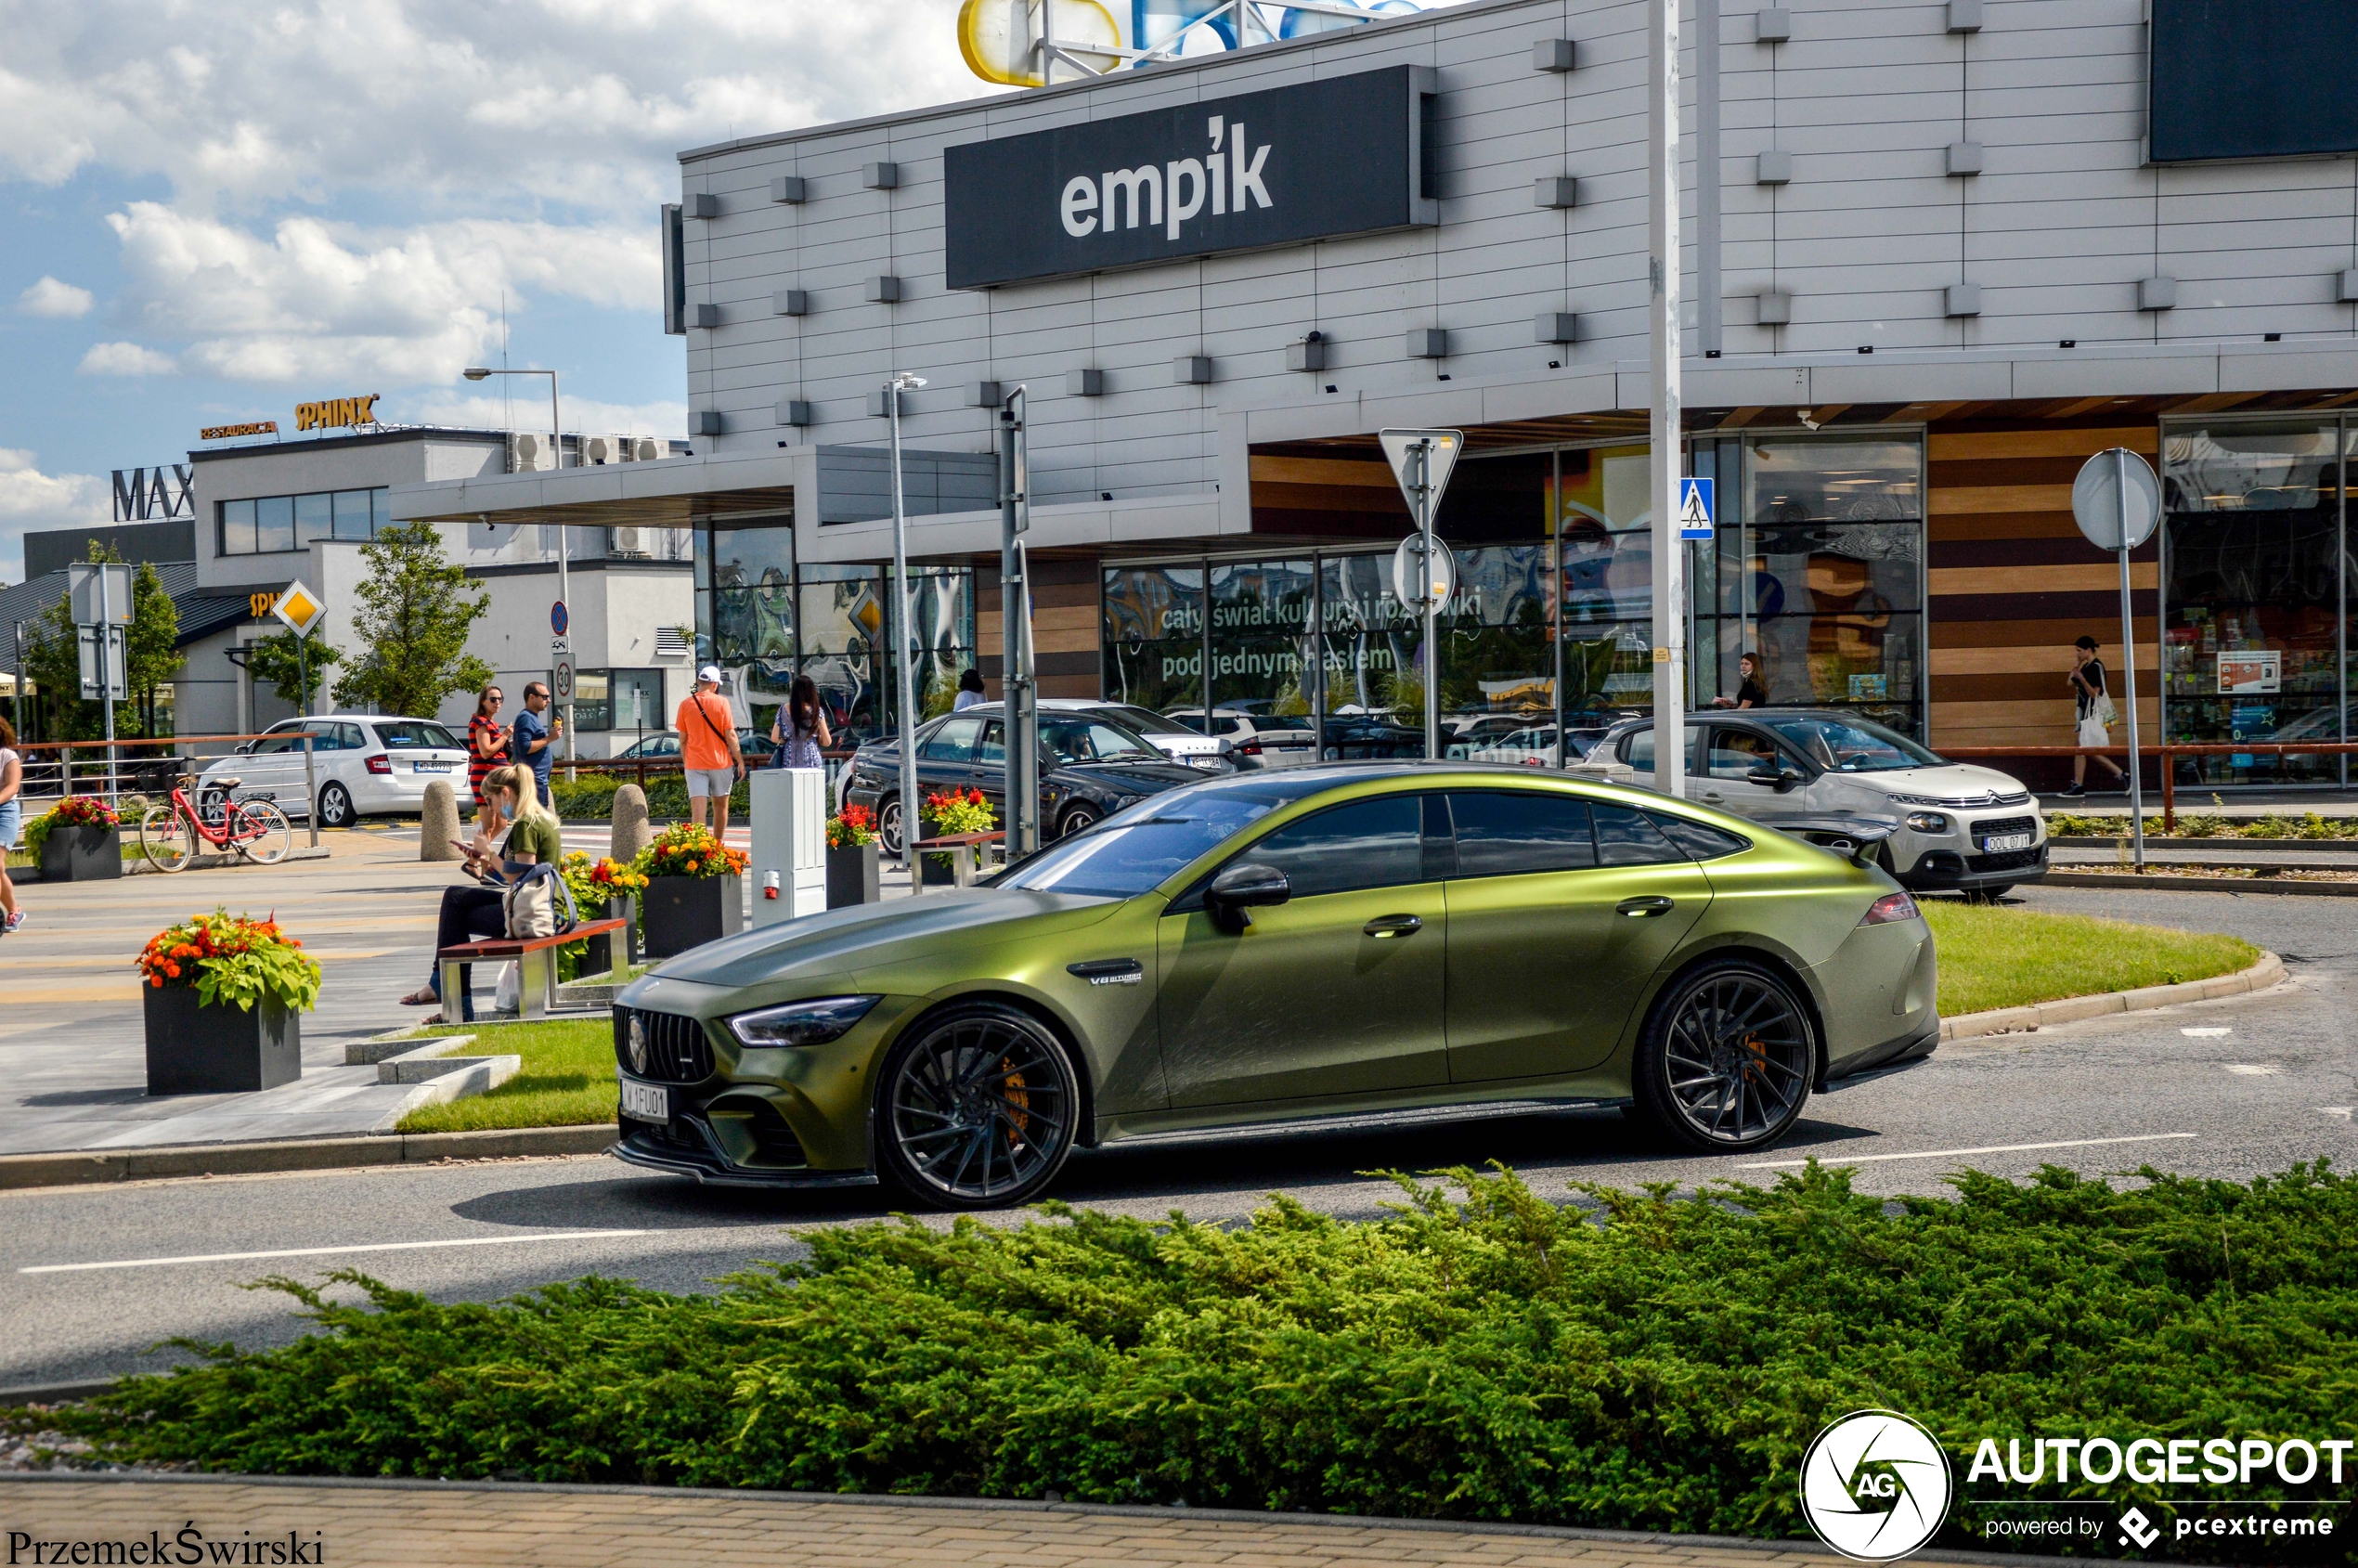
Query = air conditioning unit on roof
x=626 y=541
x=530 y=452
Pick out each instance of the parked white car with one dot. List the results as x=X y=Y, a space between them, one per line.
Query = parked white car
x=1179 y=742
x=1956 y=824
x=362 y=764
x=1255 y=740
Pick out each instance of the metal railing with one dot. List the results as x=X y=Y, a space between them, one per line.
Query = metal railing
x=2163 y=754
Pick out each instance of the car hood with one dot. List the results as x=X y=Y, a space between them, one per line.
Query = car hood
x=1958 y=783
x=865 y=936
x=1143 y=777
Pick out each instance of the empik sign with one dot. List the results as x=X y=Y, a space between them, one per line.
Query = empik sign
x=1314 y=161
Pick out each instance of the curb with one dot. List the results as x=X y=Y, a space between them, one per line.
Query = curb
x=2167 y=884
x=1790 y=1546
x=2020 y=1020
x=2340 y=847
x=83 y=1167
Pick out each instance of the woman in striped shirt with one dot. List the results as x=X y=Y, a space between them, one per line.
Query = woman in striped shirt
x=486 y=741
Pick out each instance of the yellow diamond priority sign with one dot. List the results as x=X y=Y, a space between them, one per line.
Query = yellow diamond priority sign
x=300 y=608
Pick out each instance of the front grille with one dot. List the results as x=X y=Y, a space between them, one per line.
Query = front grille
x=2013 y=860
x=2006 y=824
x=677 y=1049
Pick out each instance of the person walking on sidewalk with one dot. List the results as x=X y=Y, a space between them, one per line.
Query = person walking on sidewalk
x=11 y=821
x=708 y=749
x=799 y=732
x=2092 y=712
x=486 y=741
x=530 y=738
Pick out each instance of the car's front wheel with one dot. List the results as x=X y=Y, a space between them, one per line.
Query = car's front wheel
x=977 y=1109
x=1081 y=819
x=889 y=827
x=335 y=807
x=1726 y=1058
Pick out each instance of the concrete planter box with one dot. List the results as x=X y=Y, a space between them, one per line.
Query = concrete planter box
x=610 y=951
x=193 y=1049
x=82 y=854
x=685 y=912
x=852 y=877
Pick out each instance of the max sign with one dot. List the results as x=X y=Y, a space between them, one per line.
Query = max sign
x=1315 y=161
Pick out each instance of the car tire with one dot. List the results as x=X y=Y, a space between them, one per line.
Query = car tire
x=1989 y=895
x=335 y=807
x=1726 y=1059
x=1081 y=819
x=977 y=1107
x=889 y=827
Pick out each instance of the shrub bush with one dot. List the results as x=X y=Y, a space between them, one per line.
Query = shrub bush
x=1640 y=1362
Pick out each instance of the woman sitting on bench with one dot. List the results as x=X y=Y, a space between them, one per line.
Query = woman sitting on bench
x=498 y=856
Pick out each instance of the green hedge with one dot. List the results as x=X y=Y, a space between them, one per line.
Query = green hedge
x=1644 y=1362
x=590 y=797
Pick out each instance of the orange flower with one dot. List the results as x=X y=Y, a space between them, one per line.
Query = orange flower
x=173 y=969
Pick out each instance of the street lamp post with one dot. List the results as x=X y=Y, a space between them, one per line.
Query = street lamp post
x=905 y=636
x=564 y=573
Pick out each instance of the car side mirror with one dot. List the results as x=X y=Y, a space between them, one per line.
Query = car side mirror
x=245 y=748
x=1241 y=889
x=1779 y=779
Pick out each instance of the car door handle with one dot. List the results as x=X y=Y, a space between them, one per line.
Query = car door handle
x=1638 y=909
x=1394 y=926
x=1712 y=795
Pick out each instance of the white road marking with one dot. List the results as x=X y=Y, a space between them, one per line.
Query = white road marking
x=2342 y=1112
x=2208 y=1032
x=1947 y=1153
x=2248 y=1070
x=327 y=1252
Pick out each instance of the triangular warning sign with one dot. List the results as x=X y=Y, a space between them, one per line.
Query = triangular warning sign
x=1439 y=450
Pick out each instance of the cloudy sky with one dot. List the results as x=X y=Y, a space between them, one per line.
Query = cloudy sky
x=214 y=210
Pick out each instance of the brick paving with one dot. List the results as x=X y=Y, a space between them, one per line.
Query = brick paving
x=450 y=1525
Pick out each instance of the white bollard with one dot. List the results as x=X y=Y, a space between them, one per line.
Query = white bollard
x=789 y=844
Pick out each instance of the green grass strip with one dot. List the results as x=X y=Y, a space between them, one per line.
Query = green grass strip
x=1993 y=957
x=566 y=1078
x=1637 y=1362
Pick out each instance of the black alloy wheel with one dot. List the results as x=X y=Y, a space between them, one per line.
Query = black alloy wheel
x=977 y=1108
x=1726 y=1059
x=335 y=807
x=1081 y=819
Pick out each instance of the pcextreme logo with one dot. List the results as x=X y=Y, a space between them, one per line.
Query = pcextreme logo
x=1876 y=1485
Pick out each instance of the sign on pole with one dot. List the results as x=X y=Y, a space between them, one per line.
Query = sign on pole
x=99 y=593
x=2116 y=502
x=299 y=608
x=563 y=683
x=1421 y=461
x=88 y=639
x=1696 y=513
x=1418 y=579
x=559 y=620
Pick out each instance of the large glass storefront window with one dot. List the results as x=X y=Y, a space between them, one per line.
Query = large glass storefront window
x=2253 y=553
x=1152 y=633
x=764 y=621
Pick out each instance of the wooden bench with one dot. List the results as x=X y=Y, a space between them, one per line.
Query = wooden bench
x=963 y=849
x=536 y=957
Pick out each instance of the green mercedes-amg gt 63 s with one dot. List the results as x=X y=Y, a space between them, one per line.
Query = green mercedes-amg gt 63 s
x=1275 y=948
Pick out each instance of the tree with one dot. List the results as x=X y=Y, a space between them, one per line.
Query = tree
x=297 y=681
x=151 y=655
x=416 y=611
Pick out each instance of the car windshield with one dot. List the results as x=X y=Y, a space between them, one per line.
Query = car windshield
x=410 y=735
x=1146 y=723
x=1092 y=740
x=1852 y=745
x=1140 y=847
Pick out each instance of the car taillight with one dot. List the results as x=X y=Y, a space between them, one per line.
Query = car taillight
x=380 y=763
x=1250 y=748
x=1890 y=909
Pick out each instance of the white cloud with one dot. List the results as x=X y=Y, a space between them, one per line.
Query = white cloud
x=30 y=499
x=126 y=360
x=528 y=409
x=55 y=300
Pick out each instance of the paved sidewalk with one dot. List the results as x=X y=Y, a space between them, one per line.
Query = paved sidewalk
x=590 y=1527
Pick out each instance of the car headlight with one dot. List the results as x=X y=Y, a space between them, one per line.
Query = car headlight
x=803 y=1023
x=1927 y=821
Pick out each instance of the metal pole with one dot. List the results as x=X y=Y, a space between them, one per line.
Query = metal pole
x=904 y=611
x=1420 y=464
x=105 y=672
x=2129 y=663
x=564 y=573
x=1556 y=592
x=1022 y=799
x=310 y=778
x=1663 y=456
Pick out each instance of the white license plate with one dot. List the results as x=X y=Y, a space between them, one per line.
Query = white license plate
x=431 y=767
x=1999 y=843
x=647 y=1102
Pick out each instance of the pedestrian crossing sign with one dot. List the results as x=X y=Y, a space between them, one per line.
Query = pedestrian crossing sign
x=1694 y=509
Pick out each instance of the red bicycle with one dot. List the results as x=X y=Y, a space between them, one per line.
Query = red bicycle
x=255 y=829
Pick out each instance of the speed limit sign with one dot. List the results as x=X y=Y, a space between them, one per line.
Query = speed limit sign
x=564 y=681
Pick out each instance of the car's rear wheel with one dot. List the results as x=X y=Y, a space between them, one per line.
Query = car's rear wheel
x=889 y=827
x=335 y=807
x=977 y=1109
x=1726 y=1058
x=1081 y=819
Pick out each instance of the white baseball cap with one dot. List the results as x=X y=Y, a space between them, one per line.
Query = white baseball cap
x=710 y=672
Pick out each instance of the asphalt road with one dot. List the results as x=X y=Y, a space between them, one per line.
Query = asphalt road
x=2226 y=1089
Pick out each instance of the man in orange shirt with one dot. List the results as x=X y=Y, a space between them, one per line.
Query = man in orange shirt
x=709 y=749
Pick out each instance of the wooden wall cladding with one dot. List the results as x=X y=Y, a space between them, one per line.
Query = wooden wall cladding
x=2011 y=583
x=1063 y=628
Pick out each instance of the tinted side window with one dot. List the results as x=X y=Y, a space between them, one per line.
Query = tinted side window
x=1698 y=839
x=1627 y=836
x=1637 y=750
x=1502 y=832
x=955 y=741
x=1367 y=844
x=994 y=744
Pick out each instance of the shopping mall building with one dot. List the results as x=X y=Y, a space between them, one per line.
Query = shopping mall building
x=1937 y=255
